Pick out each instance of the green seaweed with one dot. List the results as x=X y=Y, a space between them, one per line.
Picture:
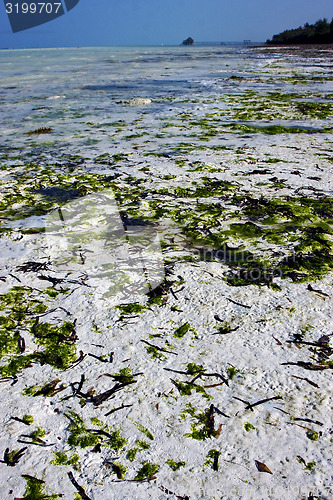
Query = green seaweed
x=202 y=429
x=138 y=446
x=186 y=388
x=310 y=466
x=312 y=435
x=35 y=489
x=119 y=469
x=84 y=438
x=28 y=419
x=17 y=364
x=147 y=470
x=37 y=190
x=248 y=427
x=175 y=465
x=193 y=369
x=210 y=187
x=315 y=109
x=182 y=330
x=145 y=431
x=232 y=371
x=58 y=342
x=212 y=459
x=62 y=458
x=270 y=129
x=155 y=353
x=134 y=308
x=224 y=328
x=39 y=432
x=19 y=305
x=124 y=376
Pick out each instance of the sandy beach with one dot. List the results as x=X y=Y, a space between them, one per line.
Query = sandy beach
x=166 y=273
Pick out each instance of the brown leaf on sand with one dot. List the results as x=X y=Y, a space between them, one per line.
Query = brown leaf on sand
x=218 y=432
x=262 y=467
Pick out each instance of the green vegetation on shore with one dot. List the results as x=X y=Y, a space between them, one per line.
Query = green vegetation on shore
x=320 y=32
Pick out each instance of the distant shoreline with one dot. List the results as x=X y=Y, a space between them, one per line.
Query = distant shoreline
x=311 y=46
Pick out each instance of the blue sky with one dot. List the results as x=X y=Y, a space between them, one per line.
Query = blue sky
x=153 y=22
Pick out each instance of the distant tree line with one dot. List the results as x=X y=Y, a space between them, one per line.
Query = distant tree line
x=320 y=32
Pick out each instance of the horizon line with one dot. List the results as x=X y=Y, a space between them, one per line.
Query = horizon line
x=236 y=42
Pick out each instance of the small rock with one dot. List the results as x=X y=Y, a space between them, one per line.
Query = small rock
x=139 y=101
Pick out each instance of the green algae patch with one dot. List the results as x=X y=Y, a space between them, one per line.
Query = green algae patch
x=53 y=292
x=248 y=427
x=124 y=376
x=147 y=470
x=271 y=129
x=224 y=329
x=36 y=435
x=212 y=459
x=16 y=365
x=58 y=342
x=16 y=302
x=203 y=427
x=62 y=458
x=156 y=353
x=82 y=437
x=28 y=419
x=134 y=308
x=175 y=465
x=182 y=330
x=317 y=110
x=302 y=267
x=186 y=388
x=79 y=435
x=274 y=160
x=235 y=229
x=34 y=189
x=210 y=187
x=232 y=372
x=312 y=435
x=139 y=446
x=107 y=159
x=304 y=224
x=46 y=390
x=310 y=466
x=193 y=369
x=35 y=489
x=280 y=96
x=118 y=469
x=145 y=431
x=248 y=230
x=20 y=306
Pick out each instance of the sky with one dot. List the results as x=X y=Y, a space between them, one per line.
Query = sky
x=167 y=22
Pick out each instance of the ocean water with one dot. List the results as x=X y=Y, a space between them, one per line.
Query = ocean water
x=76 y=91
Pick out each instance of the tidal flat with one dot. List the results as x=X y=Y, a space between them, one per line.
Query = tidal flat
x=198 y=364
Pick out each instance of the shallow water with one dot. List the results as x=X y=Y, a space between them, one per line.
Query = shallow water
x=68 y=88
